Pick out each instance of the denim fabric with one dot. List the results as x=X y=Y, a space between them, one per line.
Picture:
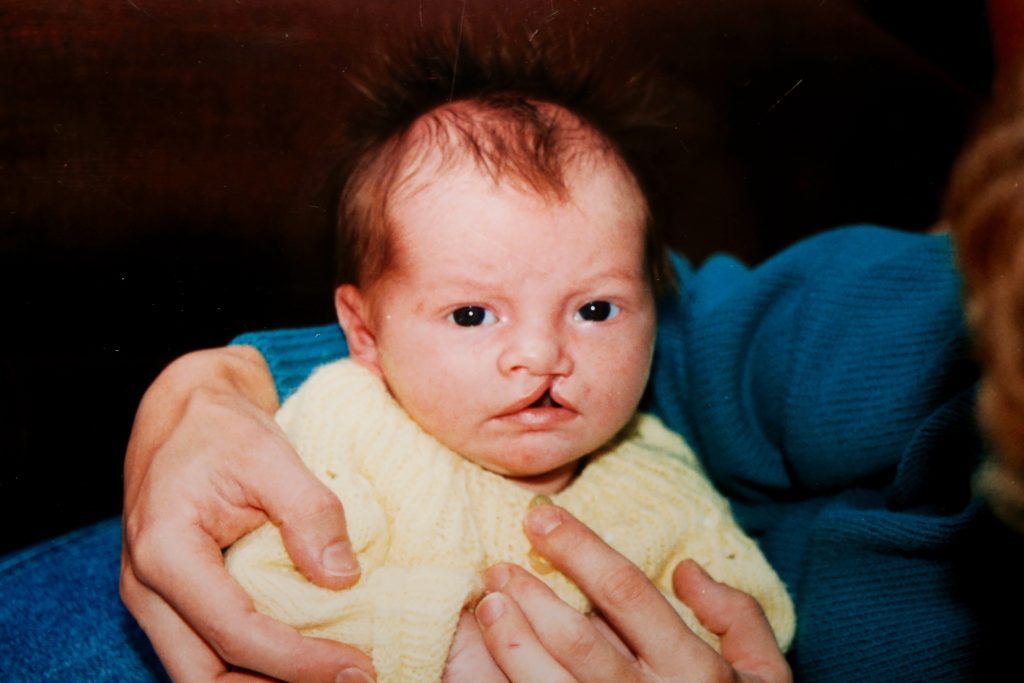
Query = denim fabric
x=61 y=618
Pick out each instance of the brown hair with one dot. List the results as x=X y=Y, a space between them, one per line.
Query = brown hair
x=985 y=209
x=489 y=103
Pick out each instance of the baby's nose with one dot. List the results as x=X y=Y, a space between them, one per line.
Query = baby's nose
x=539 y=351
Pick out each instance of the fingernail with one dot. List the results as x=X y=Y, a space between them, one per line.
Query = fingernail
x=498 y=576
x=353 y=676
x=338 y=559
x=490 y=609
x=543 y=520
x=700 y=570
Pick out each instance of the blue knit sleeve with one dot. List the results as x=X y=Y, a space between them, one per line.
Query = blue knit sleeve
x=293 y=354
x=829 y=393
x=842 y=344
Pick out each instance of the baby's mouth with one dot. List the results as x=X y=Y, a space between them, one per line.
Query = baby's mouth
x=541 y=414
x=545 y=401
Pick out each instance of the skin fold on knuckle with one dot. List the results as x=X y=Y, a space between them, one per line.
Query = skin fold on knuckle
x=129 y=589
x=315 y=504
x=578 y=640
x=146 y=554
x=715 y=670
x=203 y=403
x=132 y=530
x=222 y=491
x=625 y=587
x=246 y=428
x=259 y=441
x=220 y=636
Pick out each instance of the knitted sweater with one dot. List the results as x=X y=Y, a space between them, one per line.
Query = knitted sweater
x=829 y=394
x=426 y=523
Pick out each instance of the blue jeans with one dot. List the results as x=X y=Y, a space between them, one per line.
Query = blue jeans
x=61 y=618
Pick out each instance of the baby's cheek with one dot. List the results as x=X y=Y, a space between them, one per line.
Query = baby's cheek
x=627 y=361
x=446 y=406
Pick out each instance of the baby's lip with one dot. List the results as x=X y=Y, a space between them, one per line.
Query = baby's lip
x=528 y=401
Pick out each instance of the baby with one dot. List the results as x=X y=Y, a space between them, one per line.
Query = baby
x=498 y=283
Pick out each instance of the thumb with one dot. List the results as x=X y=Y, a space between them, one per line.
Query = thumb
x=311 y=520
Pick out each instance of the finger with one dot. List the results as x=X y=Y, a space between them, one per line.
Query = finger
x=626 y=598
x=747 y=640
x=611 y=636
x=222 y=616
x=183 y=653
x=180 y=650
x=310 y=517
x=187 y=658
x=573 y=639
x=513 y=644
x=468 y=658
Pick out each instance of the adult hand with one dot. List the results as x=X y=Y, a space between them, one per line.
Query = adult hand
x=470 y=662
x=206 y=463
x=534 y=636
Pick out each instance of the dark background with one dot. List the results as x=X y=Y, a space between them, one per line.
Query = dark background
x=158 y=160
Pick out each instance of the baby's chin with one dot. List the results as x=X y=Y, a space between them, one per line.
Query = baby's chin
x=547 y=482
x=542 y=461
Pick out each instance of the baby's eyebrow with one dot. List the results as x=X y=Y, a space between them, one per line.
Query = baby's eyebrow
x=619 y=274
x=479 y=284
x=466 y=282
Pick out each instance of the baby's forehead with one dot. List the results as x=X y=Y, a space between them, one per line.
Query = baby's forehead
x=597 y=196
x=539 y=163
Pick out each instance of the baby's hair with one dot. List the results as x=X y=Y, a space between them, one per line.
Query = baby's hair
x=489 y=103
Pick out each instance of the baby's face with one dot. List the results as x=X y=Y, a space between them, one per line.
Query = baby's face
x=517 y=330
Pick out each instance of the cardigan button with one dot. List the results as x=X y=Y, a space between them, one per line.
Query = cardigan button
x=538 y=500
x=538 y=561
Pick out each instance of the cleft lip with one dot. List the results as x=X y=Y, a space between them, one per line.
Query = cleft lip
x=544 y=396
x=546 y=401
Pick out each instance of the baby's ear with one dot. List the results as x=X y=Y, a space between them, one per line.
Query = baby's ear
x=353 y=312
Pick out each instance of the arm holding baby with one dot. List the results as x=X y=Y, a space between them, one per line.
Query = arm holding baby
x=206 y=463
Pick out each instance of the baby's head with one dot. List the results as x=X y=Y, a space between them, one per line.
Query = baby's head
x=497 y=270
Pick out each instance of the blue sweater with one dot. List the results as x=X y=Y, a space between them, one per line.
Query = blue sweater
x=829 y=393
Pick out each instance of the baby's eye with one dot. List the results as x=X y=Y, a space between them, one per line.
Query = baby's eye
x=472 y=316
x=597 y=311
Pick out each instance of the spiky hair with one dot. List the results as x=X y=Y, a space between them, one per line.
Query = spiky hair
x=484 y=100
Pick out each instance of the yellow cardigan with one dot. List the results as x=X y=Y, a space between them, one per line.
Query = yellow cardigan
x=426 y=523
